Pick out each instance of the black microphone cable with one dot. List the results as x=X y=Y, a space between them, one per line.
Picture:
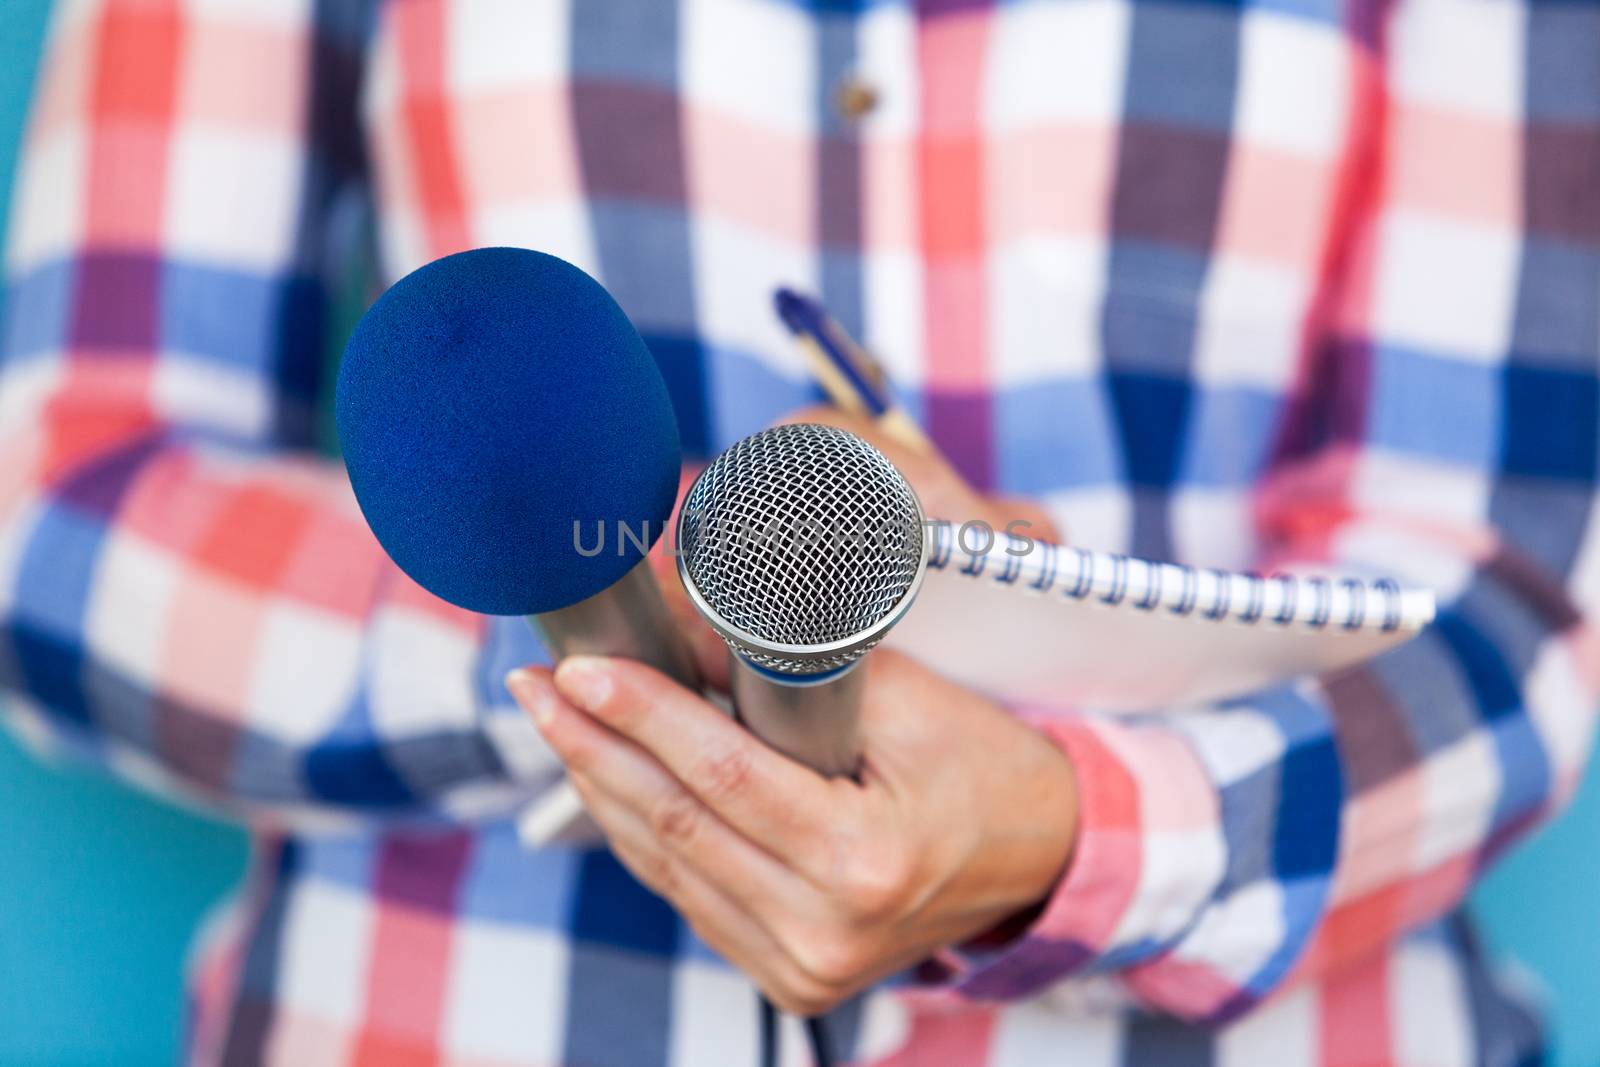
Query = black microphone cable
x=769 y=1033
x=817 y=1031
x=816 y=1034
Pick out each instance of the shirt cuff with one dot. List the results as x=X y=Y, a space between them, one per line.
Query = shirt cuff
x=1149 y=855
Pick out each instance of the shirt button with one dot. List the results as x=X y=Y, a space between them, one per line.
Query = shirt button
x=854 y=98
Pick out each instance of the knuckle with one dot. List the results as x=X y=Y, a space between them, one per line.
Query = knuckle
x=724 y=775
x=829 y=961
x=666 y=879
x=804 y=1001
x=876 y=887
x=675 y=817
x=794 y=991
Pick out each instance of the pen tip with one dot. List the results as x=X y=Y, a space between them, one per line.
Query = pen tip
x=790 y=306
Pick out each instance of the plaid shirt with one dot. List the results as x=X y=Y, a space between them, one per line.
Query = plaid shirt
x=1227 y=284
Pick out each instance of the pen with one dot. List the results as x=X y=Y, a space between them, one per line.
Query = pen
x=853 y=380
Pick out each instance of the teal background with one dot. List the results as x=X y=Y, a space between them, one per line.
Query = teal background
x=100 y=887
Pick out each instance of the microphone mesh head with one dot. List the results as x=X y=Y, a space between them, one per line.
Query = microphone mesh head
x=801 y=536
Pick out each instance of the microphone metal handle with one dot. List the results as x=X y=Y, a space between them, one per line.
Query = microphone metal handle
x=629 y=620
x=813 y=722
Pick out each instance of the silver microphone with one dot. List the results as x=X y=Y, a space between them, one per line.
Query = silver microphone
x=802 y=545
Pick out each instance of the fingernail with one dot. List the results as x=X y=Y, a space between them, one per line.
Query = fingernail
x=585 y=680
x=532 y=696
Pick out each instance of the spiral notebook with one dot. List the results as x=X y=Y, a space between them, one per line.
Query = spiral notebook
x=1060 y=626
x=1070 y=628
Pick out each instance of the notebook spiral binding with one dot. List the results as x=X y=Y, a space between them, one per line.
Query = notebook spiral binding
x=1312 y=602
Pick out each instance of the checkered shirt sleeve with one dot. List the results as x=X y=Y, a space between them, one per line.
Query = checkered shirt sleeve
x=188 y=596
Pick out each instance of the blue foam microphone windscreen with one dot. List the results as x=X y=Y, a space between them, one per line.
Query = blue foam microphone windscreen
x=486 y=402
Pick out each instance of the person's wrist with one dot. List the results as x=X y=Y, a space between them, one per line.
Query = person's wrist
x=1044 y=823
x=1048 y=809
x=1058 y=817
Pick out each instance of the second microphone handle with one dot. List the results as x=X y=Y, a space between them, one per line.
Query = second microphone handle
x=630 y=620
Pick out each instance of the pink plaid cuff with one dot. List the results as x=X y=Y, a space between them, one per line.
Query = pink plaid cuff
x=1149 y=855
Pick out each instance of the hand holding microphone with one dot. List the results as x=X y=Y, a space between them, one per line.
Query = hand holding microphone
x=961 y=817
x=958 y=815
x=490 y=399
